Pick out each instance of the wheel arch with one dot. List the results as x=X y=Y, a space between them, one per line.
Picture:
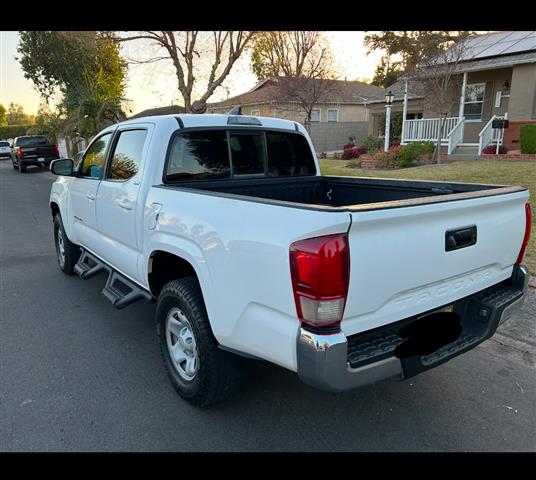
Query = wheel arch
x=54 y=208
x=163 y=266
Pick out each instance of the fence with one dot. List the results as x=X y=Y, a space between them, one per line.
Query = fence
x=330 y=136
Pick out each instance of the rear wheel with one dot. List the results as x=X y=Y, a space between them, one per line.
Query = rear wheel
x=67 y=253
x=22 y=168
x=15 y=166
x=200 y=372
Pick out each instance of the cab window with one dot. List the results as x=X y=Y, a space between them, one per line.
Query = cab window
x=95 y=156
x=126 y=157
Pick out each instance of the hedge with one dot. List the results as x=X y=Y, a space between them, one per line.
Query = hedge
x=12 y=131
x=527 y=138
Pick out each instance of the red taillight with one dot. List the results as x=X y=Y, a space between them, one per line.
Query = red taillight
x=57 y=150
x=20 y=152
x=320 y=271
x=528 y=223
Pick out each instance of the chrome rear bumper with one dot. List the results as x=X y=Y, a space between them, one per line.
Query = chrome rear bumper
x=323 y=359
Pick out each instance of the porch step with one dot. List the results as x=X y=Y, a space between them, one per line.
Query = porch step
x=464 y=152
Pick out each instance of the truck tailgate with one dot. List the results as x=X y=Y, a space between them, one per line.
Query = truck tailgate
x=400 y=265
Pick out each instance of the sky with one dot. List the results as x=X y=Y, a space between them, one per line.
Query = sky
x=155 y=85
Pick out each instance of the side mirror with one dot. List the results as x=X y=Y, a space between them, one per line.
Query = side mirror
x=62 y=166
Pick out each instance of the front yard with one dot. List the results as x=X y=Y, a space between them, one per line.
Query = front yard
x=506 y=172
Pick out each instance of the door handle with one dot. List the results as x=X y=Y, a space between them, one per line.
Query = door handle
x=90 y=196
x=125 y=204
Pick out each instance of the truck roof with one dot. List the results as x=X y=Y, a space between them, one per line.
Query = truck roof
x=215 y=120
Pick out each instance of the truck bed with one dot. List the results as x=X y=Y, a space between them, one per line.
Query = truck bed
x=344 y=193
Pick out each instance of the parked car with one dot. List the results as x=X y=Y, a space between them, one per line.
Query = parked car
x=5 y=150
x=33 y=150
x=226 y=222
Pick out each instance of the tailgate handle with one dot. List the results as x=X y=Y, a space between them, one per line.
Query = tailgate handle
x=460 y=238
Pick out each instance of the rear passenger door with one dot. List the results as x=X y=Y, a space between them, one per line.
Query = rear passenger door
x=118 y=200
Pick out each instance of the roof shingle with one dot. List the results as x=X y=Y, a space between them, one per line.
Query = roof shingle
x=273 y=90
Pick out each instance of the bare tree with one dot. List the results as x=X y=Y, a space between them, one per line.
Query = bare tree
x=286 y=53
x=303 y=64
x=193 y=53
x=441 y=79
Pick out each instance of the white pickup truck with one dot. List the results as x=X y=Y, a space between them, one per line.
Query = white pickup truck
x=226 y=223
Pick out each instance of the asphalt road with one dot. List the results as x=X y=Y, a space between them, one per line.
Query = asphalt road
x=77 y=375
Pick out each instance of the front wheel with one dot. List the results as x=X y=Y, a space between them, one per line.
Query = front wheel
x=67 y=253
x=200 y=372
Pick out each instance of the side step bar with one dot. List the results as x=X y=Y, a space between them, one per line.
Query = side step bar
x=118 y=289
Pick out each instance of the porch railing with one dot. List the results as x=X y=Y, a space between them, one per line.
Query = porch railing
x=427 y=129
x=490 y=135
x=455 y=136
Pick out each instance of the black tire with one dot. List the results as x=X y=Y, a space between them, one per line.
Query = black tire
x=22 y=168
x=71 y=251
x=15 y=165
x=218 y=372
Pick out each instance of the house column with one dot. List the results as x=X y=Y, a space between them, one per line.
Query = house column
x=462 y=96
x=404 y=111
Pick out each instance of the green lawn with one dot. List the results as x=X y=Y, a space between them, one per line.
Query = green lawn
x=505 y=172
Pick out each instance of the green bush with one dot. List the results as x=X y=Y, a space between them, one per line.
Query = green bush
x=372 y=144
x=387 y=159
x=12 y=131
x=527 y=138
x=413 y=152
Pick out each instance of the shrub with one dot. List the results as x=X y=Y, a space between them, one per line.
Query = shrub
x=426 y=147
x=527 y=138
x=347 y=154
x=387 y=159
x=415 y=152
x=492 y=149
x=361 y=150
x=350 y=151
x=372 y=144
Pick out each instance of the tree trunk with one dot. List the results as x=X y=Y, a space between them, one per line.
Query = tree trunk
x=437 y=151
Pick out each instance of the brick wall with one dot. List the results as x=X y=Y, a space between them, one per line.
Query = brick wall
x=509 y=156
x=511 y=134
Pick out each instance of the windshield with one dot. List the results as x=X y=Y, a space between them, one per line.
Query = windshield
x=32 y=141
x=4 y=144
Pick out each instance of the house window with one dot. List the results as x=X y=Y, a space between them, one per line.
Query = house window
x=315 y=115
x=255 y=113
x=474 y=101
x=333 y=114
x=413 y=116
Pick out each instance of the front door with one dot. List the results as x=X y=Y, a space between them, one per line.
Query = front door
x=83 y=193
x=118 y=201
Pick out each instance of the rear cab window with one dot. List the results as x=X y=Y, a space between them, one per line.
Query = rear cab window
x=220 y=154
x=32 y=141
